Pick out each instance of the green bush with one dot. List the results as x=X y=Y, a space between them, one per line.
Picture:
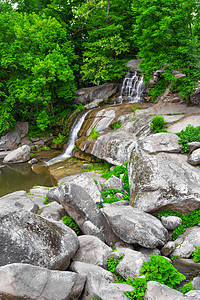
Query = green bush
x=117 y=125
x=196 y=255
x=158 y=124
x=69 y=221
x=140 y=285
x=186 y=288
x=112 y=263
x=190 y=134
x=161 y=270
x=93 y=135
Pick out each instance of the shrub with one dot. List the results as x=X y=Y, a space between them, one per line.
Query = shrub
x=140 y=285
x=196 y=255
x=186 y=288
x=93 y=135
x=112 y=263
x=117 y=125
x=69 y=221
x=190 y=134
x=158 y=124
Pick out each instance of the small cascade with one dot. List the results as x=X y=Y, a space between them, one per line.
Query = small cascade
x=73 y=136
x=132 y=88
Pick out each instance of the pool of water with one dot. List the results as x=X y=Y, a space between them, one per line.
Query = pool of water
x=15 y=177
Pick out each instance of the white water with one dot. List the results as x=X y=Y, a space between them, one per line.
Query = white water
x=132 y=88
x=73 y=136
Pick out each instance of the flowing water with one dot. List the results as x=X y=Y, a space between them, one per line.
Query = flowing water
x=73 y=136
x=132 y=88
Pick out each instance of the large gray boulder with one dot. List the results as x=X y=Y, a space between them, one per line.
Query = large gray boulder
x=163 y=181
x=19 y=155
x=80 y=197
x=97 y=287
x=28 y=238
x=10 y=140
x=194 y=158
x=92 y=251
x=19 y=200
x=23 y=281
x=159 y=291
x=134 y=226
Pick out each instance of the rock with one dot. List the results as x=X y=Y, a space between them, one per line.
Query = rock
x=19 y=155
x=19 y=200
x=114 y=183
x=23 y=281
x=10 y=140
x=163 y=181
x=97 y=287
x=177 y=127
x=159 y=291
x=193 y=146
x=92 y=251
x=28 y=238
x=168 y=248
x=89 y=228
x=161 y=142
x=55 y=194
x=194 y=295
x=187 y=242
x=33 y=161
x=80 y=197
x=133 y=65
x=171 y=222
x=85 y=166
x=119 y=195
x=38 y=194
x=94 y=104
x=194 y=157
x=130 y=264
x=187 y=267
x=196 y=282
x=53 y=211
x=85 y=269
x=104 y=91
x=134 y=226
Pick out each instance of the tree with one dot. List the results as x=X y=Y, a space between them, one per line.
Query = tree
x=167 y=37
x=36 y=70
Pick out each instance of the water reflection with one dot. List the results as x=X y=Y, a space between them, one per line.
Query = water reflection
x=15 y=177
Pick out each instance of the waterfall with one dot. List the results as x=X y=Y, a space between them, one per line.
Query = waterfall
x=132 y=88
x=73 y=136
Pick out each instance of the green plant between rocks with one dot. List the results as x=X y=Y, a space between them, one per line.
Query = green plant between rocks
x=69 y=221
x=186 y=288
x=189 y=135
x=117 y=125
x=112 y=263
x=93 y=135
x=59 y=139
x=158 y=124
x=196 y=255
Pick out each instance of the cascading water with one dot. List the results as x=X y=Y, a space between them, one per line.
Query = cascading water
x=132 y=88
x=73 y=136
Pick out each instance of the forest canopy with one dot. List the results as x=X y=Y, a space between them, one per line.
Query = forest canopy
x=49 y=48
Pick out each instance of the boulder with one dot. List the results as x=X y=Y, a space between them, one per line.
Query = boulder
x=23 y=281
x=163 y=181
x=28 y=238
x=168 y=248
x=159 y=291
x=85 y=269
x=97 y=287
x=187 y=242
x=89 y=94
x=195 y=295
x=196 y=282
x=193 y=146
x=19 y=200
x=134 y=226
x=92 y=251
x=10 y=140
x=194 y=157
x=53 y=211
x=19 y=155
x=114 y=183
x=171 y=222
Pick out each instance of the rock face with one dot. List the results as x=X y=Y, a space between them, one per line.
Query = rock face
x=104 y=92
x=19 y=155
x=23 y=281
x=135 y=227
x=163 y=181
x=28 y=238
x=10 y=140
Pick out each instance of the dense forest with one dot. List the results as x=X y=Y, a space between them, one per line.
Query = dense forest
x=50 y=48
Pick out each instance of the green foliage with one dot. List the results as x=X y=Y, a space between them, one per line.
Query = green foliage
x=93 y=135
x=140 y=285
x=46 y=201
x=80 y=107
x=112 y=263
x=190 y=134
x=190 y=220
x=117 y=125
x=161 y=270
x=59 y=139
x=186 y=288
x=69 y=221
x=196 y=255
x=111 y=192
x=158 y=124
x=158 y=88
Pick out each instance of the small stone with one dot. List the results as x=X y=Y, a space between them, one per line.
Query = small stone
x=168 y=248
x=119 y=195
x=171 y=222
x=33 y=161
x=85 y=166
x=194 y=158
